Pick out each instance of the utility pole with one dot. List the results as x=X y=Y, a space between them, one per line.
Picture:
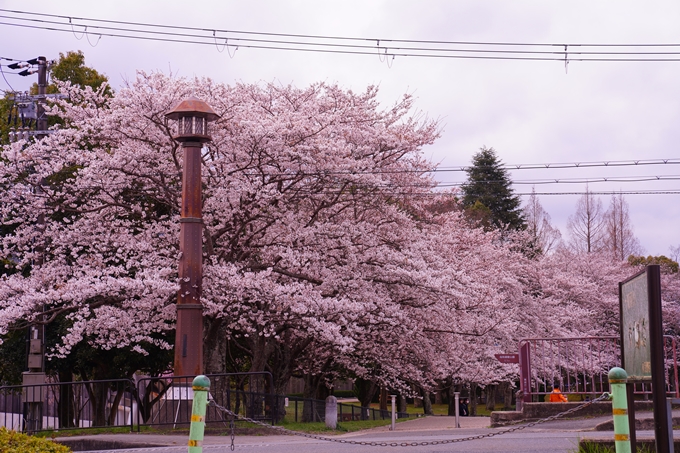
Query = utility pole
x=33 y=396
x=28 y=108
x=41 y=122
x=32 y=107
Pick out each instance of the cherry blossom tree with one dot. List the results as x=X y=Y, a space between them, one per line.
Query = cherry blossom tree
x=302 y=201
x=324 y=255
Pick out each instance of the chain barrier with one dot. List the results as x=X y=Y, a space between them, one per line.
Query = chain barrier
x=233 y=416
x=232 y=428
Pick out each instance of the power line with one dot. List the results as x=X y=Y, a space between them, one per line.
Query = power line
x=571 y=180
x=346 y=45
x=292 y=35
x=611 y=192
x=320 y=49
x=392 y=49
x=453 y=195
x=537 y=182
x=2 y=71
x=537 y=166
x=560 y=165
x=590 y=192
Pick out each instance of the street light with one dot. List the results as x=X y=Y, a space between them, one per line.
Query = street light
x=192 y=116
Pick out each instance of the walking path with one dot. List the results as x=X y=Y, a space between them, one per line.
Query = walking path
x=555 y=436
x=144 y=440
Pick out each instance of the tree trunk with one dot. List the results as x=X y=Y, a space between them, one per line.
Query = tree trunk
x=507 y=400
x=365 y=391
x=452 y=400
x=427 y=403
x=113 y=411
x=312 y=410
x=402 y=403
x=417 y=400
x=215 y=346
x=278 y=401
x=153 y=392
x=66 y=408
x=97 y=393
x=438 y=397
x=383 y=398
x=281 y=365
x=255 y=402
x=473 y=398
x=490 y=397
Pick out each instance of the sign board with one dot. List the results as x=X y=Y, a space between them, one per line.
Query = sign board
x=507 y=358
x=635 y=335
x=642 y=347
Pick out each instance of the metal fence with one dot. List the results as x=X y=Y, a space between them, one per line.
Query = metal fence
x=297 y=409
x=581 y=366
x=166 y=401
x=158 y=401
x=67 y=405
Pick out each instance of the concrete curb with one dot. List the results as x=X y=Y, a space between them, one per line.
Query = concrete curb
x=640 y=424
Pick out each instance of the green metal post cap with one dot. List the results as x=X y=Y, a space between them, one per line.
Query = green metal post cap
x=618 y=374
x=201 y=382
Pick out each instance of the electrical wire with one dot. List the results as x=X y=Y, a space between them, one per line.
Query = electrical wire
x=392 y=49
x=2 y=71
x=571 y=180
x=590 y=192
x=328 y=51
x=292 y=35
x=431 y=192
x=537 y=166
x=340 y=45
x=560 y=165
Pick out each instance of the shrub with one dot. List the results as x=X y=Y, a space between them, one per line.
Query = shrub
x=14 y=442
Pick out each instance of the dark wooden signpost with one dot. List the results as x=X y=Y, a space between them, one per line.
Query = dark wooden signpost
x=642 y=352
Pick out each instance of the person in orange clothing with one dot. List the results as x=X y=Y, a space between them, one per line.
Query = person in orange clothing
x=556 y=396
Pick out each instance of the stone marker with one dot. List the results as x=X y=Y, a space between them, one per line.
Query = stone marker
x=331 y=412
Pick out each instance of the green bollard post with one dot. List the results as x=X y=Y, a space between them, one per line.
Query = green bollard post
x=201 y=386
x=617 y=384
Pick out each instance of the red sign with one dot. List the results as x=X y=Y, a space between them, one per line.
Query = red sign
x=508 y=358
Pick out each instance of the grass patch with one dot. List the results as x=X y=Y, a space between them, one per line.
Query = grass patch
x=596 y=447
x=592 y=447
x=343 y=427
x=437 y=409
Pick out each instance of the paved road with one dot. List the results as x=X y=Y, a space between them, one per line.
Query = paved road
x=552 y=437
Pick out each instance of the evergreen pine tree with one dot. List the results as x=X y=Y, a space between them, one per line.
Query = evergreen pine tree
x=488 y=196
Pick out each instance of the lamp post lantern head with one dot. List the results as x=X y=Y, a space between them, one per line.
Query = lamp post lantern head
x=192 y=117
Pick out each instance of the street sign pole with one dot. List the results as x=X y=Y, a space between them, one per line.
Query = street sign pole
x=663 y=432
x=525 y=371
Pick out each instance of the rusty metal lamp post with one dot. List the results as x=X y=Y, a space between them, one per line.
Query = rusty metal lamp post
x=192 y=116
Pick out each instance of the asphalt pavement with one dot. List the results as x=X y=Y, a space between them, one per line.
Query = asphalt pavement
x=427 y=434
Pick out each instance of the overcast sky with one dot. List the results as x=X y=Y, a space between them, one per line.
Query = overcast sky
x=529 y=111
